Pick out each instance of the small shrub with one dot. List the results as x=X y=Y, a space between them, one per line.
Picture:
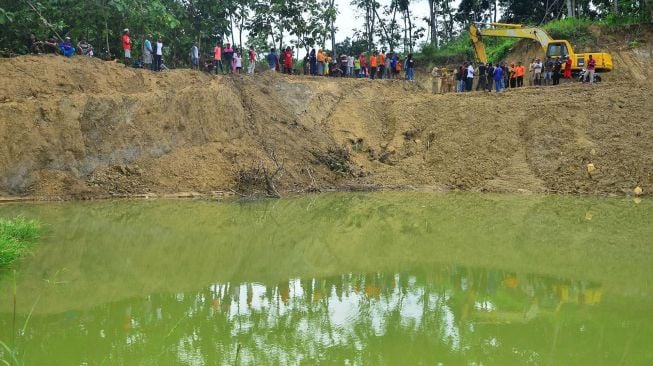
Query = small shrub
x=15 y=237
x=336 y=158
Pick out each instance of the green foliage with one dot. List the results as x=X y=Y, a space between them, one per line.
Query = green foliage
x=498 y=48
x=576 y=29
x=457 y=50
x=15 y=237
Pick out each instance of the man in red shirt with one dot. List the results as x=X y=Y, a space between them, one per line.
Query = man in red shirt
x=591 y=66
x=217 y=58
x=127 y=46
x=287 y=60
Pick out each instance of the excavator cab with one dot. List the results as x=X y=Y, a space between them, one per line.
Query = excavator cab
x=557 y=49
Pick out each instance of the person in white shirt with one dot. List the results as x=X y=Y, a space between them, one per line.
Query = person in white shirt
x=252 y=61
x=158 y=55
x=537 y=72
x=470 y=76
x=195 y=57
x=238 y=63
x=350 y=66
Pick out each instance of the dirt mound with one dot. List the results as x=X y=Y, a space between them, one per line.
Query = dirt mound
x=83 y=128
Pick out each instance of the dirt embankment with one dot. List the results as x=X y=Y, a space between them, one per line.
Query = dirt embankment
x=82 y=128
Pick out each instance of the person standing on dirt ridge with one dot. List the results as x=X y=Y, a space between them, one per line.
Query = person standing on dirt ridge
x=498 y=78
x=567 y=71
x=127 y=46
x=436 y=82
x=481 y=76
x=228 y=55
x=252 y=61
x=470 y=76
x=591 y=67
x=380 y=61
x=555 y=75
x=287 y=61
x=158 y=54
x=521 y=70
x=363 y=61
x=194 y=57
x=410 y=67
x=350 y=66
x=548 y=71
x=217 y=58
x=272 y=60
x=537 y=72
x=489 y=79
x=373 y=61
x=312 y=59
x=320 y=62
x=147 y=52
x=531 y=73
x=512 y=72
x=507 y=74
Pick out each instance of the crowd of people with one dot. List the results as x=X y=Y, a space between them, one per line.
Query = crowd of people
x=226 y=59
x=503 y=76
x=378 y=65
x=65 y=47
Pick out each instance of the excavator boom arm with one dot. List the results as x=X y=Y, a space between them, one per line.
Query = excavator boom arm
x=508 y=31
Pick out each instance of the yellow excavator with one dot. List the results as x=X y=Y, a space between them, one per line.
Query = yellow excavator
x=552 y=48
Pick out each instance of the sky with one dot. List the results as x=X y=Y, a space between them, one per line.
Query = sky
x=346 y=20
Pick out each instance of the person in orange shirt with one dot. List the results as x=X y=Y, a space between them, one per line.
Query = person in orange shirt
x=373 y=65
x=320 y=62
x=521 y=71
x=381 y=62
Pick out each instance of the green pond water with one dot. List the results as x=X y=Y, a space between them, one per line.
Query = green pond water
x=337 y=279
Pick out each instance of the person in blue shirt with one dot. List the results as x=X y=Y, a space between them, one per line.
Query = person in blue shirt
x=409 y=66
x=393 y=65
x=498 y=78
x=147 y=52
x=272 y=59
x=67 y=48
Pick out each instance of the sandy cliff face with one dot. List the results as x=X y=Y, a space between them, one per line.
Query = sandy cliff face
x=83 y=128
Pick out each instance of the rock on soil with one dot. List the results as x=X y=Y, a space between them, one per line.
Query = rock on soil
x=84 y=128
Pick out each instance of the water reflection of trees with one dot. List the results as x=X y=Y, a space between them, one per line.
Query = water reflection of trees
x=454 y=314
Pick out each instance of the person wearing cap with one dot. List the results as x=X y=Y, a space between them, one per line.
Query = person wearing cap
x=127 y=46
x=67 y=48
x=537 y=72
x=147 y=52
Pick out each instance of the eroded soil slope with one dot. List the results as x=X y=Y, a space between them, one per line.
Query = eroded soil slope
x=82 y=128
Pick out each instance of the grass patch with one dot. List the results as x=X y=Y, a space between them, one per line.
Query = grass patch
x=571 y=29
x=16 y=235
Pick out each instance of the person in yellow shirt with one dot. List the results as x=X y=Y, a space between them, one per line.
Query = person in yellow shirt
x=320 y=62
x=327 y=63
x=381 y=64
x=373 y=64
